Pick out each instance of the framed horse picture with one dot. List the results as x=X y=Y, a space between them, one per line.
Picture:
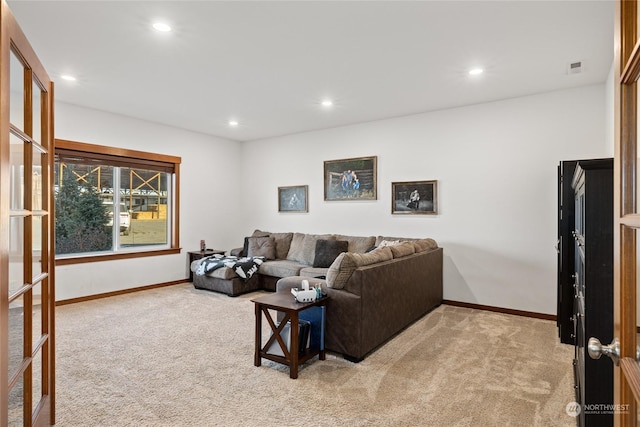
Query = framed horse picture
x=293 y=198
x=414 y=197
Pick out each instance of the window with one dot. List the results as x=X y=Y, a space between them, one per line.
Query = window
x=113 y=203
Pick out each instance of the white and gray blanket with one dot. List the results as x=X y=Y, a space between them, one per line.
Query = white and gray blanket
x=244 y=267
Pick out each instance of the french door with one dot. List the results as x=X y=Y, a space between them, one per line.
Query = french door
x=26 y=222
x=626 y=214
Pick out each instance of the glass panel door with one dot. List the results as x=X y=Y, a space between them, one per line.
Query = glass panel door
x=26 y=280
x=626 y=218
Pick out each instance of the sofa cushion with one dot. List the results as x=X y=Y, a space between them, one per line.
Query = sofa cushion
x=262 y=246
x=403 y=249
x=296 y=247
x=373 y=257
x=422 y=245
x=327 y=251
x=358 y=244
x=303 y=247
x=341 y=270
x=283 y=242
x=280 y=268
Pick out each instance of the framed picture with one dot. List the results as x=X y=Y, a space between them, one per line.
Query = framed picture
x=351 y=179
x=293 y=199
x=414 y=197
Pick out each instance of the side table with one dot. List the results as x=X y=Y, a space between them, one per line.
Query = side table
x=283 y=302
x=194 y=255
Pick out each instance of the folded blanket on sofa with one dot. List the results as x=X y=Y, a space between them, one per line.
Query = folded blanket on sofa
x=244 y=267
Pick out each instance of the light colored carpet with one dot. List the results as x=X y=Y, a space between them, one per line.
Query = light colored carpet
x=178 y=356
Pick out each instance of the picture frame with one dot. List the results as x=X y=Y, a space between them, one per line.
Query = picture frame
x=414 y=198
x=351 y=179
x=293 y=198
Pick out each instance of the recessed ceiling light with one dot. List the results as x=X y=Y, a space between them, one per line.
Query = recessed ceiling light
x=161 y=26
x=327 y=103
x=68 y=77
x=476 y=71
x=233 y=123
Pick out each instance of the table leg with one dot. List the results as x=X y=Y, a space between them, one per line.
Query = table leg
x=257 y=360
x=293 y=351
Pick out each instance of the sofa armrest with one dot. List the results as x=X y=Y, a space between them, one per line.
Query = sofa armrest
x=236 y=252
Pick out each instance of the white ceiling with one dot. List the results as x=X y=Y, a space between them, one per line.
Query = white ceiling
x=269 y=64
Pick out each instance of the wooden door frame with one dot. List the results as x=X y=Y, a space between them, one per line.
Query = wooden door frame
x=4 y=215
x=12 y=35
x=626 y=219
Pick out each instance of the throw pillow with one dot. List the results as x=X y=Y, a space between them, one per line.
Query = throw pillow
x=262 y=246
x=403 y=249
x=341 y=270
x=260 y=233
x=256 y=233
x=424 y=245
x=386 y=243
x=373 y=257
x=389 y=238
x=327 y=251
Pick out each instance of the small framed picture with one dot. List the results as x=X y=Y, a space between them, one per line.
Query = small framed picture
x=351 y=179
x=414 y=197
x=293 y=198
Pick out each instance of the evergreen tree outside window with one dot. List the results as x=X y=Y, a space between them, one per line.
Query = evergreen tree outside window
x=81 y=218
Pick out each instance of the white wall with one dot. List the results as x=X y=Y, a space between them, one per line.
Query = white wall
x=208 y=211
x=495 y=165
x=496 y=169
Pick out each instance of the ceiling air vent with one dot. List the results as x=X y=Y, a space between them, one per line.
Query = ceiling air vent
x=574 y=68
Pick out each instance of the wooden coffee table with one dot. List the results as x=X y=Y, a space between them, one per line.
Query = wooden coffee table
x=286 y=303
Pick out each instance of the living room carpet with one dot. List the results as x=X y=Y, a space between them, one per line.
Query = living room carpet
x=178 y=356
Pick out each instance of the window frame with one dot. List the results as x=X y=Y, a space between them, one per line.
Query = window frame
x=137 y=159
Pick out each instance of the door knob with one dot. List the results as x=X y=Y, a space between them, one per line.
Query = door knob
x=596 y=349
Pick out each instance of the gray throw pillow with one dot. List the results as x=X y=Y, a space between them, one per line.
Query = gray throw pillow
x=327 y=251
x=256 y=233
x=262 y=246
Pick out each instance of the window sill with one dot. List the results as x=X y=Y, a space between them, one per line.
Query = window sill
x=112 y=257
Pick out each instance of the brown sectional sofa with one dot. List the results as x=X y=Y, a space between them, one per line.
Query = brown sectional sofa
x=288 y=254
x=372 y=295
x=378 y=301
